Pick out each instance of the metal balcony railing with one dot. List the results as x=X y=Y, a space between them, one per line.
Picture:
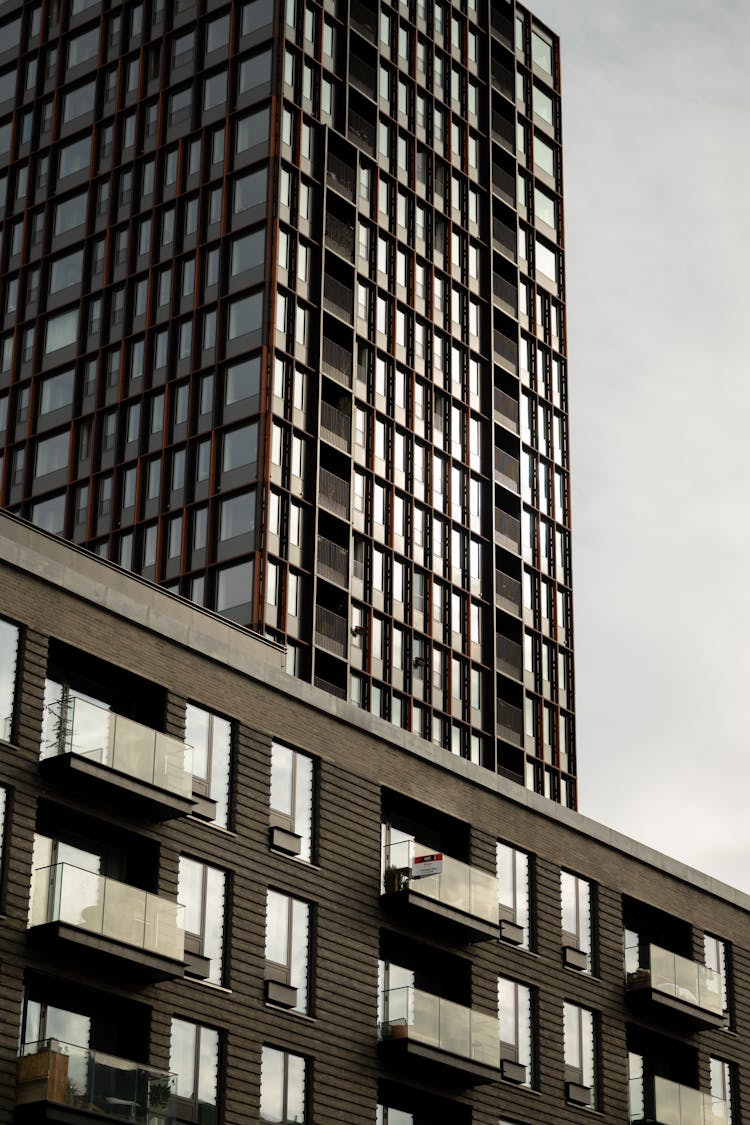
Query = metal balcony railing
x=362 y=132
x=333 y=494
x=337 y=362
x=503 y=184
x=332 y=689
x=340 y=236
x=333 y=562
x=505 y=237
x=508 y=591
x=103 y=906
x=338 y=298
x=503 y=132
x=341 y=176
x=509 y=657
x=506 y=465
x=335 y=427
x=363 y=77
x=77 y=1078
x=507 y=527
x=510 y=722
x=90 y=730
x=506 y=407
x=330 y=631
x=505 y=348
x=505 y=293
x=363 y=20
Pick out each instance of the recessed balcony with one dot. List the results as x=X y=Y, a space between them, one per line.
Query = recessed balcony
x=431 y=1034
x=460 y=898
x=93 y=915
x=658 y=1101
x=59 y=1082
x=678 y=986
x=91 y=745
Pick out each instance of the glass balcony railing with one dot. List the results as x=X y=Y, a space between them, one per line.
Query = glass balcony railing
x=682 y=979
x=409 y=1013
x=99 y=905
x=458 y=885
x=51 y=1071
x=78 y=726
x=669 y=1103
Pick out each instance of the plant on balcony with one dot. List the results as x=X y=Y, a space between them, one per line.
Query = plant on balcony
x=395 y=879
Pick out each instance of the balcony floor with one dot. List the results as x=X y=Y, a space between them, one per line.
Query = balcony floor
x=147 y=966
x=149 y=800
x=462 y=928
x=654 y=1003
x=437 y=1064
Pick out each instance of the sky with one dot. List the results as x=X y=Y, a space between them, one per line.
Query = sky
x=656 y=134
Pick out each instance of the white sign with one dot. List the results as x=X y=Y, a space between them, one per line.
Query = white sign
x=425 y=865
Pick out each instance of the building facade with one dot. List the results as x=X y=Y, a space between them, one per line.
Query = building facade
x=227 y=898
x=284 y=331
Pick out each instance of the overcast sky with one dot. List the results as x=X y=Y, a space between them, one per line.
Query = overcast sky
x=656 y=131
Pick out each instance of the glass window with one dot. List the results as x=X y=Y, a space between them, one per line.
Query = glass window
x=255 y=72
x=211 y=739
x=721 y=1089
x=194 y=1058
x=240 y=448
x=215 y=90
x=66 y=271
x=57 y=391
x=8 y=658
x=546 y=260
x=513 y=890
x=242 y=381
x=61 y=331
x=514 y=1014
x=541 y=52
x=282 y=1087
x=83 y=47
x=248 y=252
x=252 y=130
x=52 y=454
x=576 y=915
x=580 y=1056
x=201 y=890
x=287 y=944
x=292 y=784
x=545 y=207
x=715 y=957
x=245 y=315
x=79 y=101
x=234 y=586
x=49 y=514
x=237 y=517
x=75 y=157
x=70 y=213
x=250 y=190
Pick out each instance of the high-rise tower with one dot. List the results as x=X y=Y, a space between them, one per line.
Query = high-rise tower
x=283 y=330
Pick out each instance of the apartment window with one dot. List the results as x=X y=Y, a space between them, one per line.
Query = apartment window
x=515 y=1016
x=513 y=890
x=292 y=791
x=52 y=454
x=715 y=957
x=201 y=890
x=211 y=739
x=283 y=1084
x=75 y=157
x=721 y=1085
x=252 y=130
x=194 y=1058
x=287 y=951
x=245 y=315
x=240 y=448
x=8 y=657
x=61 y=331
x=580 y=1055
x=577 y=921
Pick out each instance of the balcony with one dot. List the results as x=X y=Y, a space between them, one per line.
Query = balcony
x=341 y=176
x=92 y=746
x=64 y=1083
x=510 y=722
x=335 y=427
x=333 y=494
x=333 y=562
x=439 y=1037
x=93 y=915
x=461 y=899
x=678 y=986
x=337 y=362
x=659 y=1101
x=330 y=631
